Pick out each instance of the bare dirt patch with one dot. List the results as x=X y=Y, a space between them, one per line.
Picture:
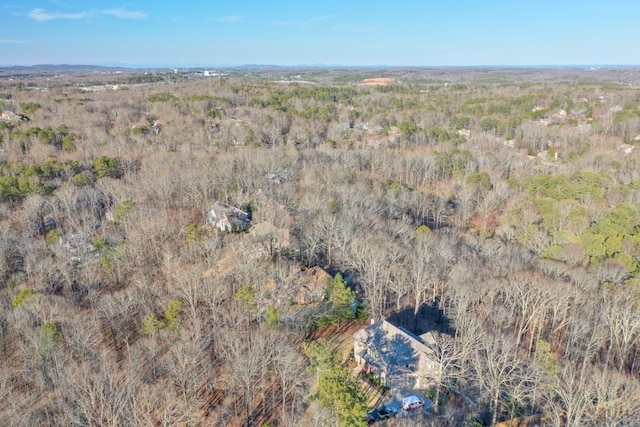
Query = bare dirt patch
x=340 y=336
x=379 y=81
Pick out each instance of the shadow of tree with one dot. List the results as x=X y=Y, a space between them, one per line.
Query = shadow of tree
x=429 y=318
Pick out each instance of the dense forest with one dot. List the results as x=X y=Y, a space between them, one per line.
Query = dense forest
x=505 y=201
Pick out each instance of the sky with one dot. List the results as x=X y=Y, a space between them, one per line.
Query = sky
x=327 y=32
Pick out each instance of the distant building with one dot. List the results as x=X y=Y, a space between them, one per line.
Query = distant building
x=626 y=148
x=156 y=127
x=11 y=117
x=228 y=218
x=465 y=132
x=310 y=286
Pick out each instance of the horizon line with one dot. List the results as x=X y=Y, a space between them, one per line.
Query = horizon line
x=317 y=65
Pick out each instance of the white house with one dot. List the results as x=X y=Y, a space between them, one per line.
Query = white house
x=228 y=218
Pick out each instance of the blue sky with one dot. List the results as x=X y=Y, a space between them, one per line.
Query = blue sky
x=329 y=32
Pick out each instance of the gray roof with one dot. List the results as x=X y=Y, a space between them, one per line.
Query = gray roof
x=393 y=349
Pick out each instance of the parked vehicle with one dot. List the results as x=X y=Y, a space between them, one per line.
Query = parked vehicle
x=386 y=412
x=411 y=402
x=381 y=414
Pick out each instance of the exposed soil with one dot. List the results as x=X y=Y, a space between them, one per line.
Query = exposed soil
x=379 y=81
x=341 y=336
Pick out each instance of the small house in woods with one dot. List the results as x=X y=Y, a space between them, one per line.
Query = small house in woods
x=299 y=287
x=310 y=286
x=228 y=218
x=11 y=117
x=268 y=239
x=156 y=127
x=399 y=358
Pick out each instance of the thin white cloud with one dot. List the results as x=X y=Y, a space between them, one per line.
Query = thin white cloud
x=42 y=15
x=125 y=13
x=9 y=41
x=304 y=23
x=230 y=18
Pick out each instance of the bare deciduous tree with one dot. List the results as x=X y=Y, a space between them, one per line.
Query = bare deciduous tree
x=497 y=368
x=573 y=398
x=447 y=358
x=373 y=260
